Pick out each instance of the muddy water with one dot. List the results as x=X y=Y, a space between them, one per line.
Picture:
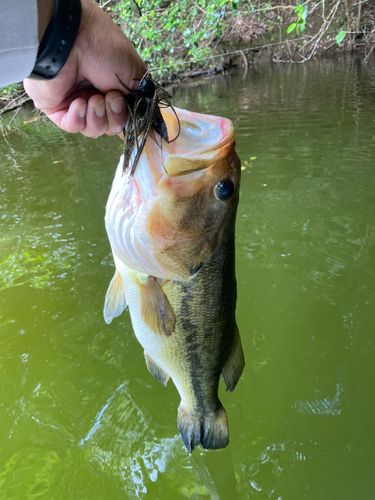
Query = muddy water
x=81 y=417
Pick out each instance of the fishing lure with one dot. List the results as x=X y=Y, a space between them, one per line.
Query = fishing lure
x=144 y=113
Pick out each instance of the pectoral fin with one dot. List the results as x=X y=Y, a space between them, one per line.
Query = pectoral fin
x=155 y=370
x=115 y=300
x=156 y=310
x=234 y=366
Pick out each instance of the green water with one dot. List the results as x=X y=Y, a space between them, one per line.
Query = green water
x=81 y=417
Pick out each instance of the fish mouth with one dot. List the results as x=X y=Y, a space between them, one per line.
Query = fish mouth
x=212 y=136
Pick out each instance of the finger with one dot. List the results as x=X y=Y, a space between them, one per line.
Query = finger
x=72 y=116
x=117 y=113
x=96 y=119
x=71 y=119
x=75 y=119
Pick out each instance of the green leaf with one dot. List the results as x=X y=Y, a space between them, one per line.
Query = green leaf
x=298 y=9
x=340 y=37
x=291 y=27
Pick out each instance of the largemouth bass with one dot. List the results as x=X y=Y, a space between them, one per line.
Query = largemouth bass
x=171 y=227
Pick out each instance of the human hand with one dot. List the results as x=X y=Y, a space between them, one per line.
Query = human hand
x=86 y=96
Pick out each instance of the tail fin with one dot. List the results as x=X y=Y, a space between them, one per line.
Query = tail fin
x=210 y=431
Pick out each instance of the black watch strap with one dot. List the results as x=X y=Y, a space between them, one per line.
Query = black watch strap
x=58 y=40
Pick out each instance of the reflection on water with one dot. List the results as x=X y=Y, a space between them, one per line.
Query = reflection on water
x=324 y=406
x=80 y=415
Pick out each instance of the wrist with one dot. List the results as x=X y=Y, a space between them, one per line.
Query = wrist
x=46 y=10
x=59 y=36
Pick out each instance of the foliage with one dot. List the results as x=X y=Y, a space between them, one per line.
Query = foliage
x=300 y=24
x=175 y=35
x=328 y=26
x=11 y=90
x=169 y=33
x=340 y=37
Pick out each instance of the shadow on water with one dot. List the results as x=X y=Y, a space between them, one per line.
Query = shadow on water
x=81 y=417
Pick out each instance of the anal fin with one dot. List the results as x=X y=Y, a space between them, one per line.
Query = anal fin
x=155 y=370
x=156 y=310
x=233 y=368
x=115 y=300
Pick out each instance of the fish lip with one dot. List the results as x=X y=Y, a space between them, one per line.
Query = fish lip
x=196 y=161
x=208 y=145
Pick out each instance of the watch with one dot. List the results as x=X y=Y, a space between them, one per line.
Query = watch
x=58 y=40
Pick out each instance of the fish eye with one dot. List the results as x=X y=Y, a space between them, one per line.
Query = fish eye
x=224 y=190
